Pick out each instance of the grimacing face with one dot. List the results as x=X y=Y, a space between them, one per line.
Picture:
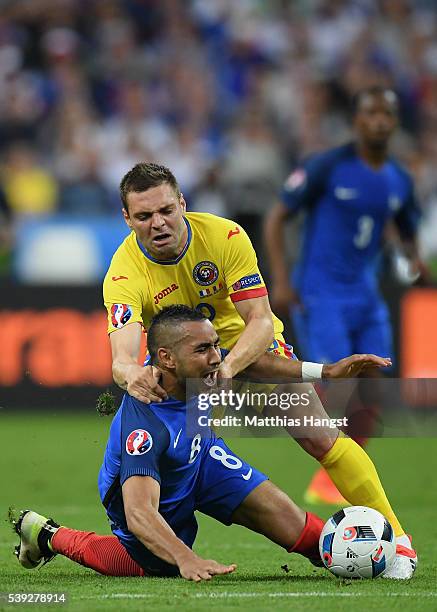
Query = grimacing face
x=194 y=353
x=156 y=217
x=376 y=118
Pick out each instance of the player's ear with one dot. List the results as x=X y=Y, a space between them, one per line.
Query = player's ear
x=166 y=358
x=183 y=203
x=126 y=217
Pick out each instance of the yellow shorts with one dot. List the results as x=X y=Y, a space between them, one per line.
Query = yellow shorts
x=281 y=348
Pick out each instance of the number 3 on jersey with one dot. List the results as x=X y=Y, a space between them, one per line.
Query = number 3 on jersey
x=363 y=236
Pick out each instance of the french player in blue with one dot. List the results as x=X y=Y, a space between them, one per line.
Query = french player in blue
x=154 y=477
x=350 y=196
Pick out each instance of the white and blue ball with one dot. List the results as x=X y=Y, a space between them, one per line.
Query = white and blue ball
x=357 y=542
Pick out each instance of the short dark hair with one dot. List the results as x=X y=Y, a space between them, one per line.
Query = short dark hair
x=373 y=90
x=144 y=176
x=170 y=316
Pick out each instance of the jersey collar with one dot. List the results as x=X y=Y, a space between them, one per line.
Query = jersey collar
x=169 y=262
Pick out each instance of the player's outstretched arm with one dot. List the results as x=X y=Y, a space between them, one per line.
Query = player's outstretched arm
x=141 y=503
x=140 y=382
x=273 y=366
x=352 y=366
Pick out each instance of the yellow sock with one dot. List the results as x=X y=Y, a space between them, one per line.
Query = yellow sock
x=355 y=476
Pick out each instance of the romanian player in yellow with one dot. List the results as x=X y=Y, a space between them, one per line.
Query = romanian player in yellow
x=208 y=263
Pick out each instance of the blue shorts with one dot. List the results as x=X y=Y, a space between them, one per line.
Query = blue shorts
x=224 y=481
x=328 y=329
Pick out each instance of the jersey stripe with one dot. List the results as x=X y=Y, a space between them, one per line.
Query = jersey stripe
x=247 y=295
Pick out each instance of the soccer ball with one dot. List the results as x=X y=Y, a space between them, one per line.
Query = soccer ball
x=357 y=542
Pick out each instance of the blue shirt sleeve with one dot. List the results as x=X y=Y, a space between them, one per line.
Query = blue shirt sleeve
x=408 y=217
x=307 y=183
x=144 y=439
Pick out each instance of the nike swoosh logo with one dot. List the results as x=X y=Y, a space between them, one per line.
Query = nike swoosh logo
x=345 y=193
x=116 y=278
x=248 y=475
x=175 y=443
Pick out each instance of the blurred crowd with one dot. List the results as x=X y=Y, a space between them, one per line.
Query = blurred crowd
x=229 y=94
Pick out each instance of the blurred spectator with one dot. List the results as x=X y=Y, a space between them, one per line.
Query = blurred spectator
x=229 y=94
x=86 y=195
x=5 y=233
x=131 y=135
x=30 y=189
x=251 y=174
x=209 y=196
x=189 y=156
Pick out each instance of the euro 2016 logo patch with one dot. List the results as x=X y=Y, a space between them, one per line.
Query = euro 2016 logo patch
x=120 y=314
x=205 y=273
x=138 y=442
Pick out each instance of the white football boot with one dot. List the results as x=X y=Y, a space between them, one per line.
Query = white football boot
x=405 y=562
x=35 y=533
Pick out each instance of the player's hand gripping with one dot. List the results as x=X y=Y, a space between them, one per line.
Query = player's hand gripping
x=143 y=384
x=352 y=366
x=195 y=568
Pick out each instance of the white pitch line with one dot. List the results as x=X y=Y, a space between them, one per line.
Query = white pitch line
x=236 y=595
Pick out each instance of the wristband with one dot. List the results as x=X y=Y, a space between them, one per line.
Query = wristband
x=311 y=371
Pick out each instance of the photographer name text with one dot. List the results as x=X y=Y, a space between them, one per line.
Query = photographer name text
x=270 y=421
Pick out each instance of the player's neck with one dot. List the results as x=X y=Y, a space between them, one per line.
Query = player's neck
x=170 y=384
x=375 y=157
x=183 y=242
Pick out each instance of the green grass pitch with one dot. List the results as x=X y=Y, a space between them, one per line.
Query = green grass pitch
x=49 y=463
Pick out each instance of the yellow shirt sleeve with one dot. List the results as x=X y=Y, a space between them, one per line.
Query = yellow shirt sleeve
x=240 y=265
x=122 y=298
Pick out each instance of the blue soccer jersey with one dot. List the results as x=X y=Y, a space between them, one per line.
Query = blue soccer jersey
x=347 y=205
x=196 y=472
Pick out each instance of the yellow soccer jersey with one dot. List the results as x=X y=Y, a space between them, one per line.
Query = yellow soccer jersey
x=217 y=267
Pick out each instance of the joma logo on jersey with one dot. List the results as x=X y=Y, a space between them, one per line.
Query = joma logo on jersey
x=162 y=294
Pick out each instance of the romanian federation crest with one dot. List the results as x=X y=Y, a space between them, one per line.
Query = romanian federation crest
x=205 y=273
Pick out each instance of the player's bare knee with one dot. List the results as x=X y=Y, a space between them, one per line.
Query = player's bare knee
x=318 y=446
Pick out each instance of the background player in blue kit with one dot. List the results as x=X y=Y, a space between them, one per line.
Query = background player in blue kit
x=154 y=477
x=349 y=195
